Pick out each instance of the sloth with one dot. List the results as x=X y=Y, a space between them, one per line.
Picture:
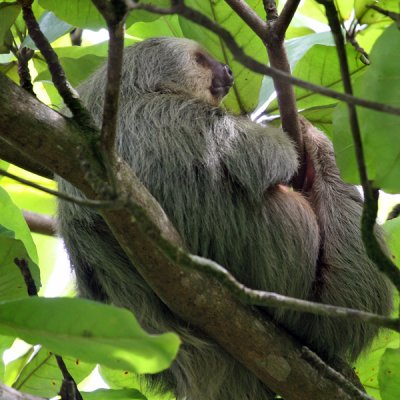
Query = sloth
x=224 y=182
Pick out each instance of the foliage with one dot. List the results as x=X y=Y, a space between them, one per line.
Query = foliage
x=86 y=333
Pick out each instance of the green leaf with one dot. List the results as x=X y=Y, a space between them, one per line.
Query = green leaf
x=41 y=375
x=14 y=367
x=109 y=394
x=296 y=49
x=367 y=366
x=167 y=25
x=11 y=219
x=80 y=13
x=3 y=165
x=5 y=343
x=8 y=15
x=389 y=375
x=314 y=10
x=380 y=131
x=15 y=242
x=320 y=66
x=367 y=16
x=89 y=331
x=83 y=13
x=51 y=26
x=243 y=96
x=392 y=229
x=78 y=62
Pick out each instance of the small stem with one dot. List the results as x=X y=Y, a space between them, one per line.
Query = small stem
x=61 y=195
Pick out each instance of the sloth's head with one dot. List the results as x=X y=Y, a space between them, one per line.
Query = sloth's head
x=176 y=66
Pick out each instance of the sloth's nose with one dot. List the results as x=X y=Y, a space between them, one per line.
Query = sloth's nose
x=228 y=70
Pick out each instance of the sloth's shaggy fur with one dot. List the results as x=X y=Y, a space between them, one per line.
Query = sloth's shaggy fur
x=219 y=178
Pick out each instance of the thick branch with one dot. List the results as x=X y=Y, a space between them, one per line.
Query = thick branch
x=259 y=344
x=7 y=393
x=40 y=223
x=14 y=156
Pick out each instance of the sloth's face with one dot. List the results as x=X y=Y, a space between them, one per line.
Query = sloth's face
x=221 y=77
x=177 y=65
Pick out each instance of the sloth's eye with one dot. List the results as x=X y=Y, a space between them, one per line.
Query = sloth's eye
x=201 y=59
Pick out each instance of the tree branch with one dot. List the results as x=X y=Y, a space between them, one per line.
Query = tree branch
x=55 y=68
x=64 y=196
x=115 y=14
x=270 y=299
x=40 y=223
x=14 y=156
x=392 y=15
x=273 y=36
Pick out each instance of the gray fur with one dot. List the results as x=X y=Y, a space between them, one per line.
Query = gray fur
x=218 y=178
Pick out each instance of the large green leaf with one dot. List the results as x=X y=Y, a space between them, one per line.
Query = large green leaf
x=167 y=25
x=41 y=375
x=15 y=243
x=320 y=65
x=51 y=27
x=89 y=331
x=392 y=229
x=365 y=15
x=84 y=14
x=244 y=95
x=316 y=11
x=389 y=375
x=8 y=14
x=380 y=131
x=296 y=49
x=367 y=366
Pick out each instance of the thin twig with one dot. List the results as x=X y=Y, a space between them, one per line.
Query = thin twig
x=370 y=209
x=76 y=36
x=69 y=388
x=254 y=65
x=22 y=264
x=364 y=57
x=57 y=73
x=72 y=199
x=394 y=213
x=115 y=14
x=270 y=299
x=392 y=15
x=23 y=56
